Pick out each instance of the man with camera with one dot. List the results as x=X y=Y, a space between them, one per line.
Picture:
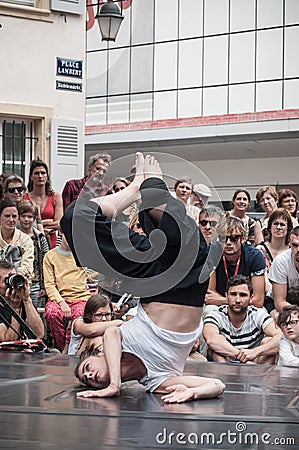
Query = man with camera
x=15 y=290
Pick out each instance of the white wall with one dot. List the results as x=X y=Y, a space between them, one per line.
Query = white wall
x=28 y=53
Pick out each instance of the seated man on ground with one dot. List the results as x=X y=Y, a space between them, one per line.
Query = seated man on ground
x=288 y=322
x=237 y=258
x=239 y=332
x=19 y=299
x=154 y=346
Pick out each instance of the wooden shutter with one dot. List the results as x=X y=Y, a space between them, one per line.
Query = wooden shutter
x=67 y=152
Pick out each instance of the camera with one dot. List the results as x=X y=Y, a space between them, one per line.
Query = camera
x=14 y=280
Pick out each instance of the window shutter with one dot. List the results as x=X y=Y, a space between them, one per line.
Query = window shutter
x=67 y=152
x=68 y=6
x=22 y=2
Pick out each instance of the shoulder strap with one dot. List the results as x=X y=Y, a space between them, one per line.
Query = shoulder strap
x=27 y=330
x=267 y=250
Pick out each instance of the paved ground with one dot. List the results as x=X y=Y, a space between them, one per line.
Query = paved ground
x=39 y=410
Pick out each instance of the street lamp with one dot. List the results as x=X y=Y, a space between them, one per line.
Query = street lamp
x=109 y=18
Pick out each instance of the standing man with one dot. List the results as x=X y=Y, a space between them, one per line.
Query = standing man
x=239 y=332
x=284 y=274
x=200 y=195
x=237 y=258
x=98 y=164
x=19 y=299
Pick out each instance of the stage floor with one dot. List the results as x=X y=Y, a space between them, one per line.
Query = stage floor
x=39 y=410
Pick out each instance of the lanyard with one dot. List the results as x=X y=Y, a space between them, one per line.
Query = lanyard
x=236 y=269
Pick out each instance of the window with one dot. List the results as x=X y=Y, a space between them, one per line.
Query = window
x=16 y=145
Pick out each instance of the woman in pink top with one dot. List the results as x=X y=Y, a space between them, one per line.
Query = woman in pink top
x=48 y=202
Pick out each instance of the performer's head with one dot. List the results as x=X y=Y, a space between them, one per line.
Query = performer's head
x=92 y=369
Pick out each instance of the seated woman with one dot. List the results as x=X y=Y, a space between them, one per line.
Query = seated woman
x=267 y=198
x=183 y=190
x=241 y=201
x=154 y=346
x=15 y=246
x=288 y=199
x=278 y=231
x=89 y=329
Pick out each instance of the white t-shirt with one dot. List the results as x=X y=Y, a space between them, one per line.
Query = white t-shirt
x=75 y=339
x=163 y=352
x=288 y=353
x=283 y=271
x=249 y=334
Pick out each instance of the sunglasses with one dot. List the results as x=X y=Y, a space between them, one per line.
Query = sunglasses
x=232 y=238
x=293 y=323
x=280 y=224
x=99 y=316
x=204 y=223
x=19 y=189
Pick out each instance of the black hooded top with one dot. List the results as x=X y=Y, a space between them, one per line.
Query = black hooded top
x=163 y=266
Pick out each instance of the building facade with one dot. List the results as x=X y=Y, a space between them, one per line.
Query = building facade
x=212 y=82
x=42 y=101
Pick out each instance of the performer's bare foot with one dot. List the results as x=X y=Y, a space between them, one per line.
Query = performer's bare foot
x=139 y=164
x=151 y=167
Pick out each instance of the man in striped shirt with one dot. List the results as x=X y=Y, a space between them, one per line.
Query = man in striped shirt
x=239 y=332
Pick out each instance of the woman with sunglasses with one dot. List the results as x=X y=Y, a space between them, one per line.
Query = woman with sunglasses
x=15 y=189
x=89 y=329
x=277 y=241
x=241 y=200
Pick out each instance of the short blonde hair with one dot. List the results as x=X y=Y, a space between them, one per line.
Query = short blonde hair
x=266 y=190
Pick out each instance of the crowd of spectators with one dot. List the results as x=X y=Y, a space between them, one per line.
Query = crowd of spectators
x=252 y=301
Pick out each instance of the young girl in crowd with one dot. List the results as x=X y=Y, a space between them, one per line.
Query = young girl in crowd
x=28 y=214
x=89 y=329
x=288 y=321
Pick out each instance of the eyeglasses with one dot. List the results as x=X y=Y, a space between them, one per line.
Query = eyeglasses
x=232 y=238
x=138 y=225
x=279 y=224
x=99 y=316
x=19 y=189
x=293 y=323
x=291 y=200
x=204 y=223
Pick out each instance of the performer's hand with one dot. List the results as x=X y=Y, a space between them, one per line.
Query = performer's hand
x=178 y=393
x=110 y=391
